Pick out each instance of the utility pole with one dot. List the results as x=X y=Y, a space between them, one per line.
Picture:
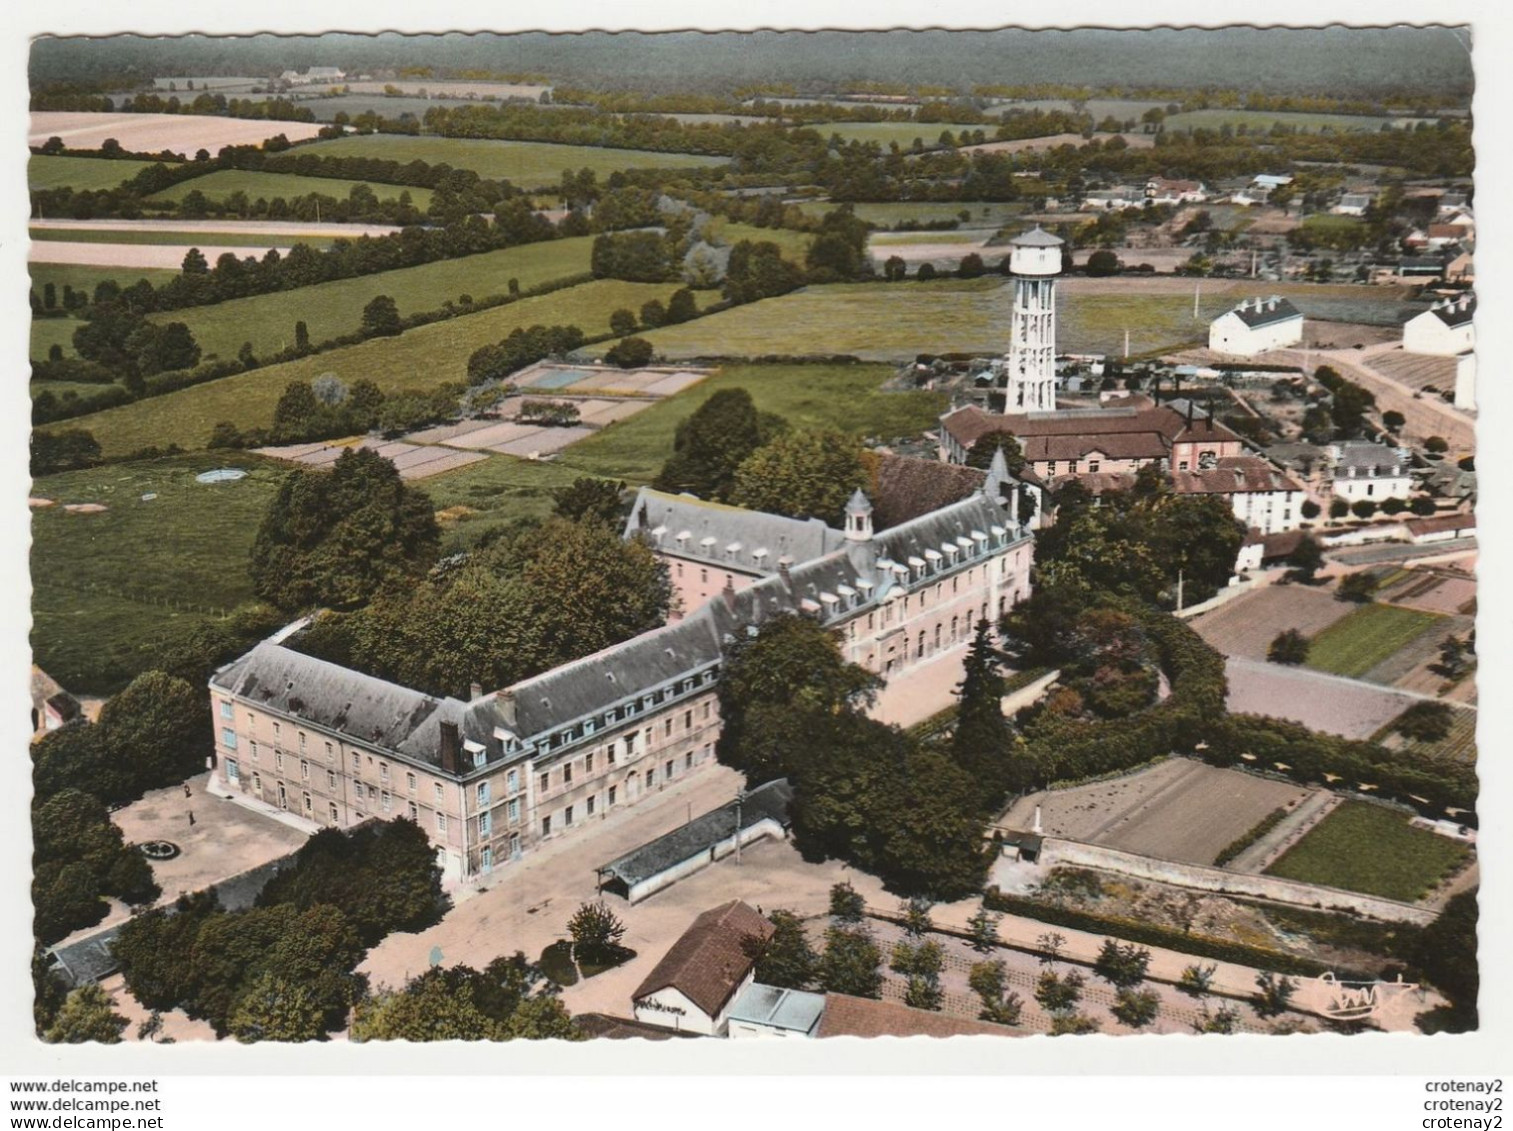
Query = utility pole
x=740 y=797
x=1179 y=589
x=1126 y=343
x=1197 y=286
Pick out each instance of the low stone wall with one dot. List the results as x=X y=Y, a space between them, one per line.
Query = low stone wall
x=1029 y=693
x=1074 y=853
x=1223 y=597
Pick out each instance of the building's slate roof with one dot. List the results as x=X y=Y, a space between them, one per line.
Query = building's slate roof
x=778 y=1007
x=1455 y=312
x=1368 y=460
x=618 y=672
x=361 y=707
x=767 y=802
x=752 y=531
x=709 y=961
x=1265 y=312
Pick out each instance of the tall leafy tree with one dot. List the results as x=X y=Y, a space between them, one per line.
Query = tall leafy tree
x=380 y=318
x=507 y=1000
x=802 y=475
x=86 y=1016
x=851 y=964
x=786 y=958
x=335 y=538
x=980 y=455
x=711 y=444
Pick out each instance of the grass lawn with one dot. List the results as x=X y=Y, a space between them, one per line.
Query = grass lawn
x=1367 y=848
x=335 y=308
x=1326 y=225
x=893 y=239
x=224 y=182
x=888 y=133
x=1365 y=637
x=888 y=213
x=1263 y=120
x=794 y=245
x=229 y=237
x=48 y=332
x=847 y=397
x=528 y=164
x=487 y=494
x=888 y=322
x=79 y=173
x=189 y=545
x=420 y=358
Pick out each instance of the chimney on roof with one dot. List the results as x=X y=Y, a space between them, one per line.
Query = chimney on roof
x=727 y=594
x=451 y=747
x=505 y=701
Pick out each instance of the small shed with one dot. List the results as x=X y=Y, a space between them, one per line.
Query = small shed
x=655 y=865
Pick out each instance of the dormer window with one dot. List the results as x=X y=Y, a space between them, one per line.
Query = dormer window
x=759 y=555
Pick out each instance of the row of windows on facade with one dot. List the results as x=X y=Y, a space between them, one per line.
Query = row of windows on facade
x=484 y=820
x=629 y=710
x=611 y=793
x=612 y=751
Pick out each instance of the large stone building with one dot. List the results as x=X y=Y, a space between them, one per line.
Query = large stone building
x=505 y=770
x=1092 y=442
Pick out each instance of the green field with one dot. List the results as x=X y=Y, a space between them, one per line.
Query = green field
x=1367 y=848
x=225 y=238
x=420 y=358
x=885 y=322
x=80 y=173
x=1365 y=637
x=335 y=308
x=885 y=240
x=887 y=134
x=527 y=164
x=48 y=332
x=847 y=397
x=106 y=584
x=1262 y=120
x=794 y=245
x=493 y=491
x=982 y=214
x=221 y=184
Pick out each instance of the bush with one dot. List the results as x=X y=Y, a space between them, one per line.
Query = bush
x=1338 y=508
x=630 y=353
x=1289 y=647
x=1363 y=508
x=1310 y=509
x=1240 y=844
x=1424 y=722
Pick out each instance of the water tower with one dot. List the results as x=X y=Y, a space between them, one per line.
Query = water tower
x=1029 y=370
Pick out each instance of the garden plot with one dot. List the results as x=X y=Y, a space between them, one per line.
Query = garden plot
x=607 y=380
x=1178 y=810
x=1247 y=625
x=1417 y=371
x=1322 y=702
x=1433 y=592
x=411 y=460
